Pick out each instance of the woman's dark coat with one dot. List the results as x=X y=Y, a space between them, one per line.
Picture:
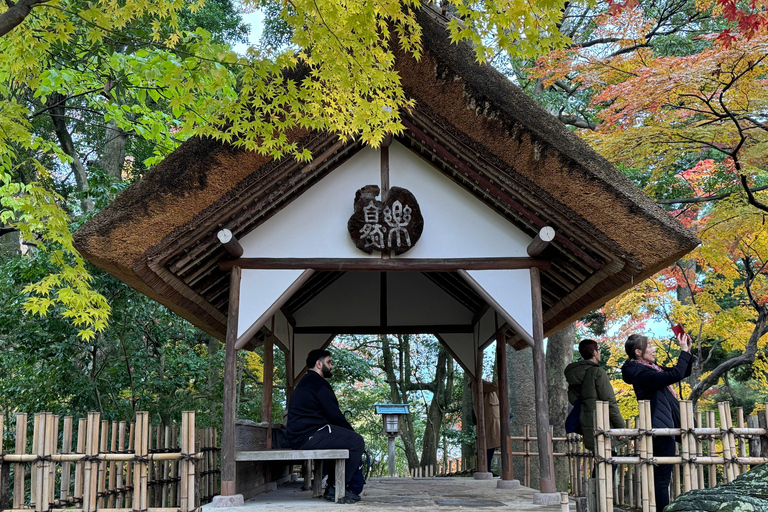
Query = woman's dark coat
x=652 y=385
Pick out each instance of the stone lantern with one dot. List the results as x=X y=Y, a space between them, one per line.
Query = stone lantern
x=393 y=416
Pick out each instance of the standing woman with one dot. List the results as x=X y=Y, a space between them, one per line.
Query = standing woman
x=654 y=383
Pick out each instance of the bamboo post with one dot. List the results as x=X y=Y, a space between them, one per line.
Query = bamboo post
x=34 y=471
x=41 y=481
x=82 y=427
x=91 y=472
x=66 y=466
x=699 y=453
x=728 y=472
x=103 y=440
x=141 y=449
x=742 y=439
x=693 y=446
x=711 y=450
x=607 y=446
x=166 y=467
x=119 y=482
x=53 y=441
x=210 y=459
x=602 y=492
x=732 y=439
x=112 y=467
x=645 y=494
x=631 y=444
x=129 y=466
x=685 y=424
x=187 y=466
x=649 y=450
x=20 y=449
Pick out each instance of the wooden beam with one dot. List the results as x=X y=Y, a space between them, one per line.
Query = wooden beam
x=542 y=240
x=496 y=192
x=388 y=265
x=230 y=243
x=266 y=390
x=507 y=472
x=546 y=478
x=230 y=381
x=393 y=329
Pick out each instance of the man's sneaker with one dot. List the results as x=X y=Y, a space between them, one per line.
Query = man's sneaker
x=349 y=496
x=330 y=493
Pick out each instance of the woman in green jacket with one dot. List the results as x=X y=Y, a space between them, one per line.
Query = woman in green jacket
x=586 y=379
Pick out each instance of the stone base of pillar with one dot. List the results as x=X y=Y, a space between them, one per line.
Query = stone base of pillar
x=480 y=475
x=546 y=498
x=234 y=500
x=508 y=484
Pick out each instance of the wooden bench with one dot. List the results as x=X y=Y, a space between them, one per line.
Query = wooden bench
x=308 y=457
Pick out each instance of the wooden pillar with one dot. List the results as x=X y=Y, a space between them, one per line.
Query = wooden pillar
x=266 y=396
x=501 y=362
x=230 y=384
x=482 y=456
x=546 y=464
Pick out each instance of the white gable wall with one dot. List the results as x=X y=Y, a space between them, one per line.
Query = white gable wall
x=314 y=225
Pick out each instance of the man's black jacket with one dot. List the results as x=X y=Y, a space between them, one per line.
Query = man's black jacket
x=313 y=405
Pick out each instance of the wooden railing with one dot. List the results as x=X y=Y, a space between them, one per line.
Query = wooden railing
x=113 y=466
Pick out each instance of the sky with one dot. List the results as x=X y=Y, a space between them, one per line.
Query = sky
x=255 y=20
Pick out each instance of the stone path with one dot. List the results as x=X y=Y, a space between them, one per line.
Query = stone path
x=403 y=494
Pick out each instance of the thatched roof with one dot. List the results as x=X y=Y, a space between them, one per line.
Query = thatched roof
x=471 y=122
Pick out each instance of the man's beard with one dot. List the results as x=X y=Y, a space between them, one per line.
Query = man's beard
x=326 y=371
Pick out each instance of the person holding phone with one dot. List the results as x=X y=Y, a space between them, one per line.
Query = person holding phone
x=653 y=382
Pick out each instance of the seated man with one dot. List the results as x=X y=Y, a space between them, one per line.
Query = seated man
x=316 y=423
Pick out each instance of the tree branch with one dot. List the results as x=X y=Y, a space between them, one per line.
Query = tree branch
x=16 y=14
x=706 y=199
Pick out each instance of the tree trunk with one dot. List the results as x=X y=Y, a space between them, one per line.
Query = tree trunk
x=399 y=391
x=58 y=116
x=522 y=408
x=436 y=413
x=113 y=156
x=559 y=355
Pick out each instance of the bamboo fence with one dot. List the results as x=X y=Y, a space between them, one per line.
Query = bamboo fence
x=114 y=465
x=708 y=454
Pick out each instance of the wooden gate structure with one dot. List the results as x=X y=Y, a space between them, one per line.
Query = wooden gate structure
x=484 y=219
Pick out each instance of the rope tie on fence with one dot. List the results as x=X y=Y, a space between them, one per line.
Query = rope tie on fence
x=650 y=462
x=688 y=431
x=600 y=458
x=42 y=458
x=140 y=458
x=189 y=457
x=647 y=432
x=91 y=458
x=691 y=461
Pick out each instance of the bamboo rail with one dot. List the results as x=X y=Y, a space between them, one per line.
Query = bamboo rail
x=177 y=472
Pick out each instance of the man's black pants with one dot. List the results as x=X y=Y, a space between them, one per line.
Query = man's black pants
x=331 y=437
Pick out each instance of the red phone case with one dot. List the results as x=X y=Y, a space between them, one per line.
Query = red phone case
x=678 y=330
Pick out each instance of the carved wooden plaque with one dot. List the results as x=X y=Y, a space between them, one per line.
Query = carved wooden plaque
x=393 y=225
